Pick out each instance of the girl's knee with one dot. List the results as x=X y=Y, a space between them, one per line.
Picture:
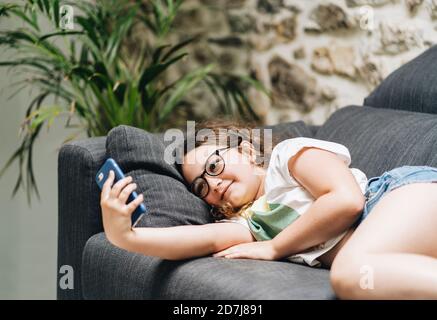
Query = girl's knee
x=345 y=277
x=341 y=282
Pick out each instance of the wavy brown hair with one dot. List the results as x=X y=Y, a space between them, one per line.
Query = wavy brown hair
x=243 y=132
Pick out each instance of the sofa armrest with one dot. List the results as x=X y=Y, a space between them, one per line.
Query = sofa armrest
x=79 y=215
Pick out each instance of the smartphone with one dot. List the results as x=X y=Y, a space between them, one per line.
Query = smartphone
x=103 y=174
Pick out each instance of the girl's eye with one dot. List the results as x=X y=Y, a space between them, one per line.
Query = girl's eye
x=200 y=188
x=214 y=166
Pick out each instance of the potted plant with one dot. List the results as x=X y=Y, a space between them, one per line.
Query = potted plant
x=82 y=60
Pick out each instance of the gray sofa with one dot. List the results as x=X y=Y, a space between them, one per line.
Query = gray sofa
x=378 y=139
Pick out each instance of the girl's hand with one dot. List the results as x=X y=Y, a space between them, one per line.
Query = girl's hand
x=116 y=214
x=262 y=250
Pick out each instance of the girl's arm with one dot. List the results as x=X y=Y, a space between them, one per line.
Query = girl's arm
x=172 y=243
x=339 y=201
x=188 y=241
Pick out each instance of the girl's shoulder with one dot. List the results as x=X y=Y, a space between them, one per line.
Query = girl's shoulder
x=278 y=177
x=285 y=149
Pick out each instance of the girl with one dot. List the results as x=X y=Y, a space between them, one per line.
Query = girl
x=308 y=206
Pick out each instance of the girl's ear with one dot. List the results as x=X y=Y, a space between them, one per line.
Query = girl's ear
x=248 y=150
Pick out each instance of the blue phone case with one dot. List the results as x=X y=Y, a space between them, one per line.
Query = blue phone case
x=103 y=174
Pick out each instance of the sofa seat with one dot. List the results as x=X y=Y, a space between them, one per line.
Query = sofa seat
x=144 y=277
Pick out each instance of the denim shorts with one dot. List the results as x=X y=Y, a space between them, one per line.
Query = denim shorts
x=378 y=186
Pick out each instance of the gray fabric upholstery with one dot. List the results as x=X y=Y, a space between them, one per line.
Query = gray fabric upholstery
x=314 y=129
x=289 y=130
x=112 y=273
x=78 y=205
x=382 y=139
x=412 y=87
x=286 y=130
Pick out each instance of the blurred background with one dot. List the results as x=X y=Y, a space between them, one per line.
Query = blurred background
x=266 y=61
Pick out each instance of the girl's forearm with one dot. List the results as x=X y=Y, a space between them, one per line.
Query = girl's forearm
x=172 y=243
x=329 y=216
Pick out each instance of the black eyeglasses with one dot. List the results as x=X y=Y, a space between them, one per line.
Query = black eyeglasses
x=214 y=165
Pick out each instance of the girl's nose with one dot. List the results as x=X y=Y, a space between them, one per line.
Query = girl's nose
x=214 y=182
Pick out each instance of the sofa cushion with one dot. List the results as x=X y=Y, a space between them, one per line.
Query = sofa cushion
x=382 y=139
x=286 y=130
x=113 y=273
x=412 y=87
x=140 y=154
x=169 y=201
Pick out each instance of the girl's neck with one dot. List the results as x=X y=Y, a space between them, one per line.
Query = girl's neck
x=260 y=191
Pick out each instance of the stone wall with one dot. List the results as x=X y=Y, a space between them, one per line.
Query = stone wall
x=314 y=56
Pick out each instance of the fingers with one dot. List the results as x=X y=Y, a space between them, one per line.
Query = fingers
x=119 y=185
x=124 y=194
x=235 y=252
x=224 y=253
x=106 y=189
x=234 y=255
x=219 y=254
x=117 y=196
x=134 y=203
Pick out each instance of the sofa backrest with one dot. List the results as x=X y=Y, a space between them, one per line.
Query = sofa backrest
x=412 y=87
x=382 y=139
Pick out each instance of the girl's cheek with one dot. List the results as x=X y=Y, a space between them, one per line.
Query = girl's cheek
x=215 y=200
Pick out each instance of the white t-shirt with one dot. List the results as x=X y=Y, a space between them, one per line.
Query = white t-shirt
x=285 y=199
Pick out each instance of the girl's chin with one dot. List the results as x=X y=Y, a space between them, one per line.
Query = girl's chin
x=236 y=202
x=235 y=199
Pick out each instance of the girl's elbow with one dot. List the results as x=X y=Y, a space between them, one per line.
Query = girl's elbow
x=357 y=205
x=353 y=205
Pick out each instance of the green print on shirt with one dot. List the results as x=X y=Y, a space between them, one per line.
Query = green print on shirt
x=265 y=225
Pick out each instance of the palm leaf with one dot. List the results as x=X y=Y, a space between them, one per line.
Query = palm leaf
x=56 y=12
x=178 y=47
x=155 y=70
x=156 y=56
x=59 y=33
x=93 y=77
x=116 y=38
x=14 y=9
x=181 y=89
x=42 y=115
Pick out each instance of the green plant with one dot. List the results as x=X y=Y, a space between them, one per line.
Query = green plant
x=94 y=76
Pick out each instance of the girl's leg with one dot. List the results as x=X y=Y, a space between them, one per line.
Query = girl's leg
x=393 y=253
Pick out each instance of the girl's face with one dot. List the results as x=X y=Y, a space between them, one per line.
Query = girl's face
x=240 y=182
